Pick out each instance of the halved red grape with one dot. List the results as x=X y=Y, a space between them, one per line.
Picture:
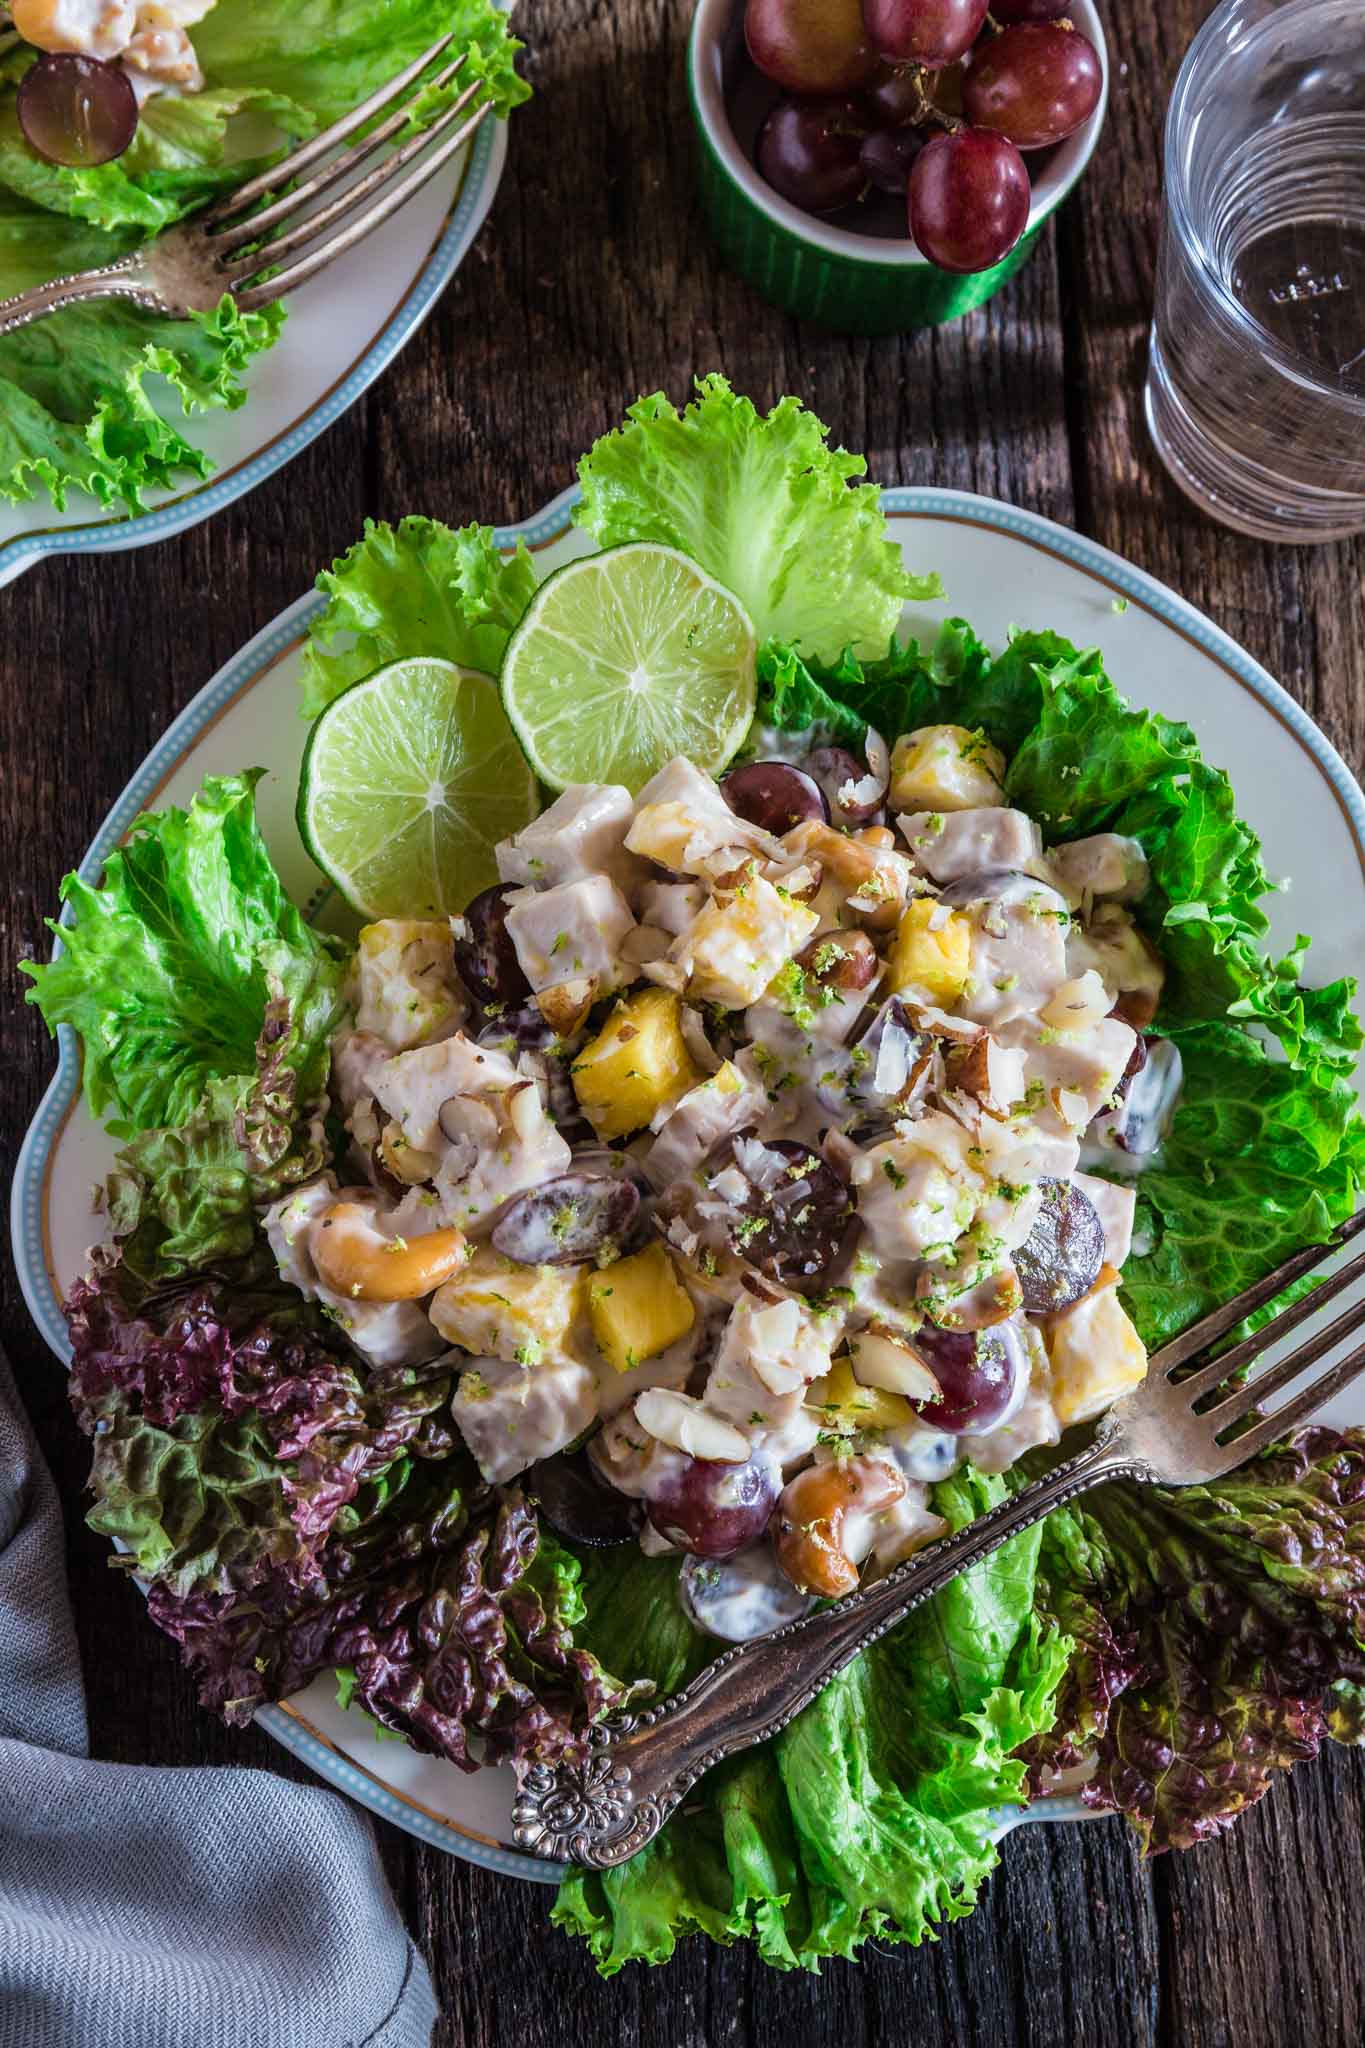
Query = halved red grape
x=567 y=1221
x=814 y=46
x=1146 y=1099
x=711 y=1509
x=792 y=1222
x=969 y=200
x=928 y=32
x=888 y=156
x=979 y=1371
x=580 y=1505
x=741 y=1598
x=1035 y=83
x=808 y=151
x=772 y=794
x=839 y=773
x=76 y=111
x=484 y=954
x=1060 y=1259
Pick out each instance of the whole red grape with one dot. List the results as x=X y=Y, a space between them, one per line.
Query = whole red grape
x=888 y=155
x=1035 y=83
x=930 y=32
x=814 y=46
x=808 y=151
x=969 y=200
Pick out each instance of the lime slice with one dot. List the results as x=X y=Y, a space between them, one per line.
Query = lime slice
x=622 y=661
x=409 y=780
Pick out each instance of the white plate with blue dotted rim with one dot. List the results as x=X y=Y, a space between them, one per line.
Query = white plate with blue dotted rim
x=1000 y=568
x=344 y=328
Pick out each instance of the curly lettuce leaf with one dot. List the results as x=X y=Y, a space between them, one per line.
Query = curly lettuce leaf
x=765 y=506
x=169 y=969
x=75 y=410
x=1238 y=1610
x=872 y=1816
x=1263 y=1158
x=417 y=588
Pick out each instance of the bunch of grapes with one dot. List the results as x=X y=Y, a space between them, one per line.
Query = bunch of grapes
x=933 y=101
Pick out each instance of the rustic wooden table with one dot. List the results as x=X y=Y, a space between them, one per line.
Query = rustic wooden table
x=592 y=282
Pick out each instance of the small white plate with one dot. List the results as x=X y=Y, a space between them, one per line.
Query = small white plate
x=1000 y=568
x=343 y=329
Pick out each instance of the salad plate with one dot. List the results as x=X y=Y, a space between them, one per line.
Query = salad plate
x=344 y=329
x=1001 y=567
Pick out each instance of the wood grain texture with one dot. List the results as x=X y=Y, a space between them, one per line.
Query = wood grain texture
x=593 y=282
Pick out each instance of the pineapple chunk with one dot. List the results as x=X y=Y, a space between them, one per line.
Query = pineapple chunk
x=637 y=1065
x=945 y=768
x=638 y=1307
x=498 y=1309
x=741 y=940
x=843 y=1404
x=932 y=950
x=1095 y=1354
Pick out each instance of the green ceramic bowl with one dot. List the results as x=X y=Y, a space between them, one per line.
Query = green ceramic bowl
x=855 y=283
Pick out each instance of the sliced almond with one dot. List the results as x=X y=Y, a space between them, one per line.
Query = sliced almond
x=683 y=1423
x=881 y=1360
x=566 y=1004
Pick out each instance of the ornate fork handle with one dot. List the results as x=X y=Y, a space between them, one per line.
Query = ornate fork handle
x=639 y=1767
x=126 y=279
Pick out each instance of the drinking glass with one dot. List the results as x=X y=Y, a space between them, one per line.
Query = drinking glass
x=1256 y=384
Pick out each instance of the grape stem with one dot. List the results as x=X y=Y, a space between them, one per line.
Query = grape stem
x=926 y=114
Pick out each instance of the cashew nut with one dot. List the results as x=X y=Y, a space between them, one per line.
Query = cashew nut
x=811 y=1525
x=355 y=1258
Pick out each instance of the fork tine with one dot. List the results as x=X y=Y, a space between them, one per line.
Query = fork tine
x=1219 y=1321
x=391 y=198
x=1260 y=1341
x=347 y=204
x=1305 y=1403
x=1253 y=1392
x=257 y=225
x=309 y=153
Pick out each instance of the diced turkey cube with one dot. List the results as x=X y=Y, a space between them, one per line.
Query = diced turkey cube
x=1107 y=864
x=950 y=844
x=511 y=1415
x=672 y=906
x=723 y=1103
x=919 y=1191
x=413 y=1086
x=405 y=982
x=682 y=821
x=740 y=941
x=767 y=1348
x=1079 y=1071
x=1115 y=1207
x=570 y=932
x=1018 y=955
x=583 y=833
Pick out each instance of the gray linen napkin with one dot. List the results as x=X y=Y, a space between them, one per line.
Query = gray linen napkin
x=144 y=1908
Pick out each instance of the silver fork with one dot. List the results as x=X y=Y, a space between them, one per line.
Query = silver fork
x=260 y=256
x=1170 y=1431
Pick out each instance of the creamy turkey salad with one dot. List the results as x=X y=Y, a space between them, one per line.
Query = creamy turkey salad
x=778 y=1072
x=738 y=1135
